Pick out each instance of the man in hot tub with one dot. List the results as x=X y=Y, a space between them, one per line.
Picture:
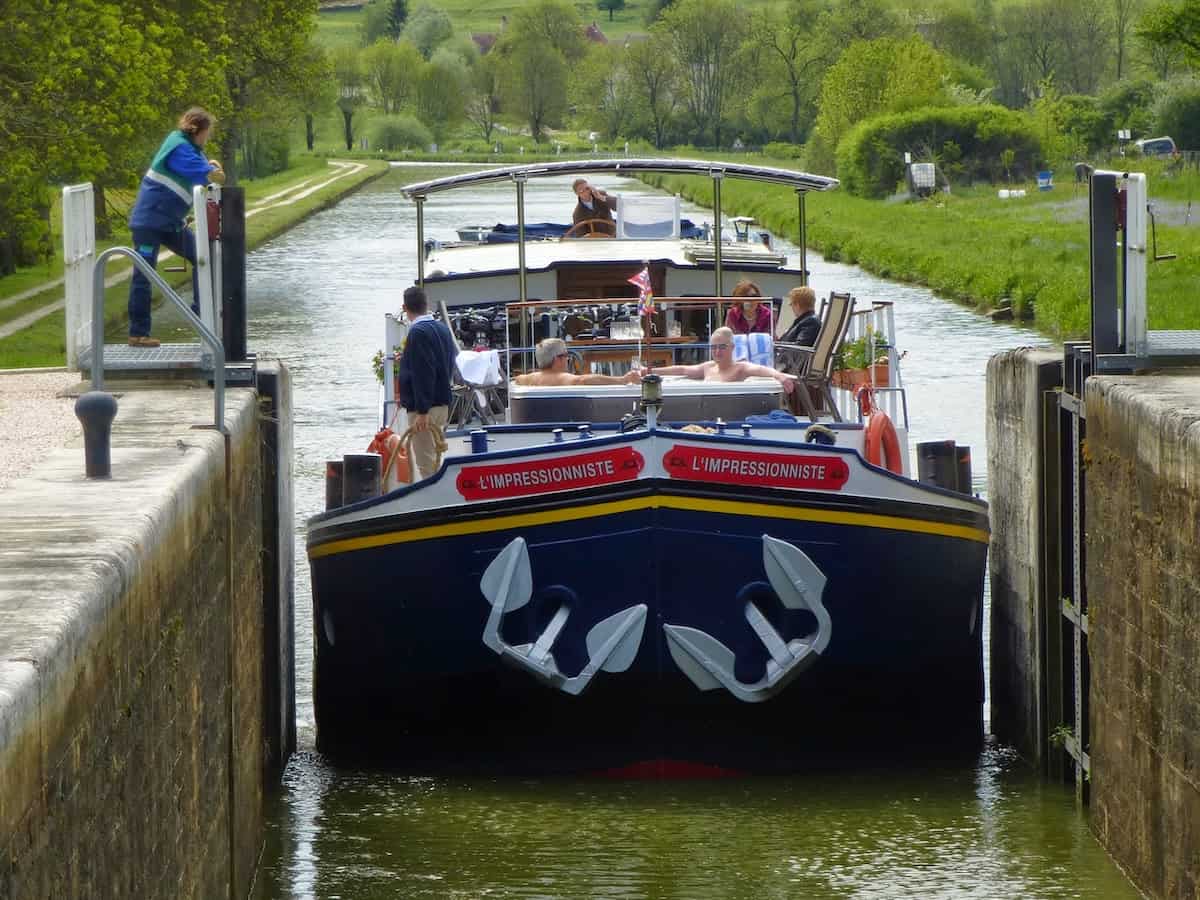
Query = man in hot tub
x=552 y=357
x=723 y=368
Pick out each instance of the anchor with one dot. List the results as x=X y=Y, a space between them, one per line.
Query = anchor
x=799 y=584
x=612 y=644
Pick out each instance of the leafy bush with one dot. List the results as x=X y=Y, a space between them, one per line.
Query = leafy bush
x=1128 y=104
x=401 y=132
x=783 y=150
x=265 y=152
x=1080 y=117
x=1178 y=114
x=870 y=159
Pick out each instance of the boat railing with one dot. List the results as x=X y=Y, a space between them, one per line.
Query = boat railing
x=676 y=330
x=875 y=324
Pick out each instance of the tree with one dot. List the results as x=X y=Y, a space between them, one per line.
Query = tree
x=1178 y=114
x=876 y=77
x=1124 y=14
x=79 y=100
x=384 y=19
x=268 y=62
x=536 y=83
x=391 y=70
x=600 y=89
x=652 y=75
x=483 y=95
x=318 y=95
x=428 y=27
x=957 y=30
x=440 y=89
x=1087 y=39
x=704 y=36
x=348 y=74
x=610 y=5
x=786 y=37
x=556 y=22
x=859 y=20
x=543 y=41
x=1175 y=26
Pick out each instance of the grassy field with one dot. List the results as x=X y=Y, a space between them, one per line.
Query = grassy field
x=337 y=27
x=42 y=344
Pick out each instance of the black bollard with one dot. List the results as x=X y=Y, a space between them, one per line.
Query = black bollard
x=936 y=464
x=334 y=470
x=361 y=477
x=96 y=410
x=962 y=458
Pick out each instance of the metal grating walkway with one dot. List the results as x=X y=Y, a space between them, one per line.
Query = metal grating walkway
x=176 y=359
x=1182 y=347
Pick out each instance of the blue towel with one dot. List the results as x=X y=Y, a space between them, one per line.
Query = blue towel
x=775 y=415
x=757 y=348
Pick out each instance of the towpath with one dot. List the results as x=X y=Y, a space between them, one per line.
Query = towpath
x=291 y=194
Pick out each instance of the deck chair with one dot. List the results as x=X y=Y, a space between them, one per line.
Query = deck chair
x=813 y=366
x=475 y=388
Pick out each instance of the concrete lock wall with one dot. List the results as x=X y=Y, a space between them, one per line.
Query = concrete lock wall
x=1017 y=382
x=134 y=749
x=1143 y=579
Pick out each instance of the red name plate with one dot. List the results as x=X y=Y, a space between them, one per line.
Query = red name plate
x=828 y=473
x=562 y=473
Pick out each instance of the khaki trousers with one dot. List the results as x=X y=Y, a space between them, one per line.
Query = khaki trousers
x=425 y=458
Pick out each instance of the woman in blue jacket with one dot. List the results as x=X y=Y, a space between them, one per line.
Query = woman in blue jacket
x=163 y=202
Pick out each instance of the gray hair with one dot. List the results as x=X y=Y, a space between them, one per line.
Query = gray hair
x=547 y=351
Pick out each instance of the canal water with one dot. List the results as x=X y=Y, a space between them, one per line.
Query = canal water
x=984 y=827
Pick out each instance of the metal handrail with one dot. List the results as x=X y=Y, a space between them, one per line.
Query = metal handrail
x=218 y=349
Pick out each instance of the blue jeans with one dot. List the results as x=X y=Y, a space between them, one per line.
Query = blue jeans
x=146 y=242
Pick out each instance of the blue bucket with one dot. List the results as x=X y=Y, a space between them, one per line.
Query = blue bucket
x=1044 y=181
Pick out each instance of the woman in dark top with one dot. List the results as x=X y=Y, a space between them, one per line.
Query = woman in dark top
x=803 y=330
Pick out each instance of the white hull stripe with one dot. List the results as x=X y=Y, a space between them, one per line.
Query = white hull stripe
x=168 y=183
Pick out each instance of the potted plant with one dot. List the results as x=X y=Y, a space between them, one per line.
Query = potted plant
x=853 y=358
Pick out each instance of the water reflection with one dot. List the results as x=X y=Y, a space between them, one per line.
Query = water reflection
x=984 y=829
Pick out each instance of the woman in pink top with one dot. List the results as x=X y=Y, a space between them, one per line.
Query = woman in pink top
x=750 y=315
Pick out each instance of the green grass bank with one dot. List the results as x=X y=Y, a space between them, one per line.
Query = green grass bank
x=977 y=249
x=43 y=343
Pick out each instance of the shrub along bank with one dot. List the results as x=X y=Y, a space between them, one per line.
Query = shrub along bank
x=970 y=246
x=986 y=143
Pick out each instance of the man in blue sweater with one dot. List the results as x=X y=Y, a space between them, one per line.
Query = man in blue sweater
x=425 y=371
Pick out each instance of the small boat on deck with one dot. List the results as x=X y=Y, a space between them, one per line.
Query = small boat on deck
x=672 y=575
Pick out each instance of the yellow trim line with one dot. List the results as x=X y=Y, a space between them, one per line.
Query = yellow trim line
x=568 y=514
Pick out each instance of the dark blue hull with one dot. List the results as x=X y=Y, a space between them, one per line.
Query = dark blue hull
x=402 y=668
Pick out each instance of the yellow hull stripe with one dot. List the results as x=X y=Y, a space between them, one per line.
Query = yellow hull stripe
x=696 y=504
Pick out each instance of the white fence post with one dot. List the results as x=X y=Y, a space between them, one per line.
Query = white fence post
x=79 y=257
x=204 y=266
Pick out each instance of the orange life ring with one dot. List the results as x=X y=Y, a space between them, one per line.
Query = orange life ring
x=883 y=445
x=394 y=470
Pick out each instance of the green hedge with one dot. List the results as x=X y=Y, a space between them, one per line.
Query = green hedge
x=966 y=141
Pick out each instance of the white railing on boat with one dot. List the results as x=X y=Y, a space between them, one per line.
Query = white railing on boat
x=877 y=324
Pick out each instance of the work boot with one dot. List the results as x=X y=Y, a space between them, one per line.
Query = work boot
x=143 y=340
